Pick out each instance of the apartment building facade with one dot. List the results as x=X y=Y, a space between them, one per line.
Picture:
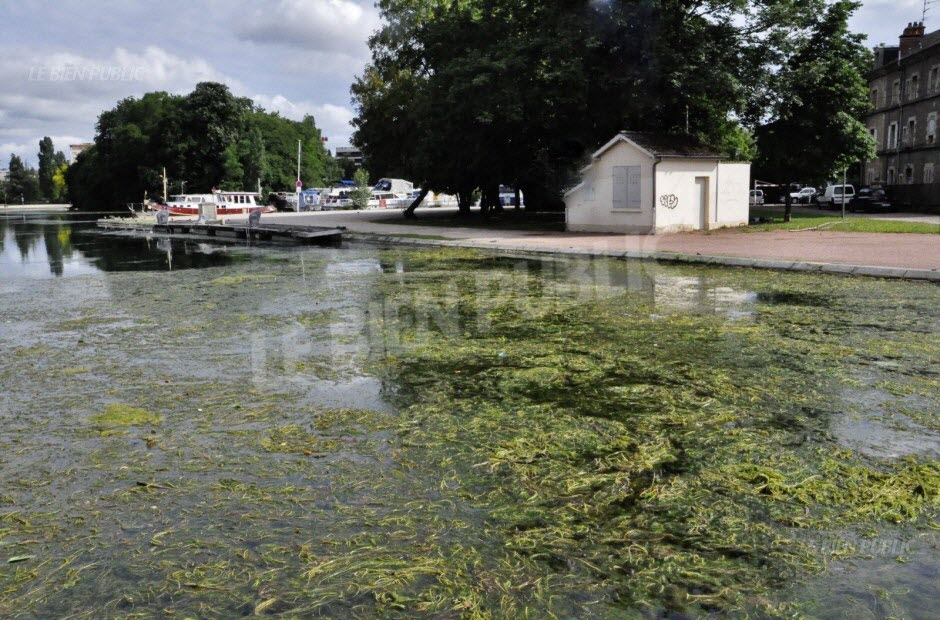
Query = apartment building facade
x=904 y=87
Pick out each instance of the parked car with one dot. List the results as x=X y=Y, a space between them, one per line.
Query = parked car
x=757 y=197
x=869 y=199
x=833 y=196
x=804 y=196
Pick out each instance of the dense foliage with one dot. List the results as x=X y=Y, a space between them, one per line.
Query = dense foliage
x=208 y=138
x=462 y=94
x=50 y=162
x=816 y=131
x=21 y=184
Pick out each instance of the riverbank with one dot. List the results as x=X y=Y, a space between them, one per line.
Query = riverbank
x=908 y=256
x=4 y=208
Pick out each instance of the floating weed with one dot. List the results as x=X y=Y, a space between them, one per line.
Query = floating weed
x=295 y=439
x=515 y=439
x=125 y=415
x=233 y=280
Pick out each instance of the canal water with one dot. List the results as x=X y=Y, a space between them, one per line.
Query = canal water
x=209 y=430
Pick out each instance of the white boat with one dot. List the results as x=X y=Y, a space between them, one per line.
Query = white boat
x=227 y=203
x=337 y=197
x=389 y=200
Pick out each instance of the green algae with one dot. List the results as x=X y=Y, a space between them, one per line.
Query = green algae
x=125 y=415
x=233 y=280
x=501 y=438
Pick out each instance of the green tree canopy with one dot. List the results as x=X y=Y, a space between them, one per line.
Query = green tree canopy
x=22 y=184
x=208 y=138
x=816 y=131
x=463 y=94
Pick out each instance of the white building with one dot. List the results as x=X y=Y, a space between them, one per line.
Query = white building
x=644 y=183
x=77 y=149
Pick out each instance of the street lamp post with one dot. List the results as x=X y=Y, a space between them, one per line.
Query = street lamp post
x=843 y=192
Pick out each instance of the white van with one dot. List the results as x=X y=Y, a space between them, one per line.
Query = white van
x=757 y=197
x=833 y=196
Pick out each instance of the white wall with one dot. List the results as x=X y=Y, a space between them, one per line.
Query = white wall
x=733 y=194
x=676 y=177
x=590 y=208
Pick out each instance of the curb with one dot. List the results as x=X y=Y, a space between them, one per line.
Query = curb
x=873 y=271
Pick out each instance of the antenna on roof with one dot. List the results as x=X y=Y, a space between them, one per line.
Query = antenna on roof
x=923 y=15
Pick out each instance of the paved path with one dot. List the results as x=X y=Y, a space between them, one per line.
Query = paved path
x=894 y=250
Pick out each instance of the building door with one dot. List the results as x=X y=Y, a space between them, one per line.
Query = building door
x=701 y=201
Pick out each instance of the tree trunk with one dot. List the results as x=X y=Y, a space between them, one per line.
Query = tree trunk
x=517 y=201
x=410 y=211
x=463 y=202
x=788 y=206
x=494 y=197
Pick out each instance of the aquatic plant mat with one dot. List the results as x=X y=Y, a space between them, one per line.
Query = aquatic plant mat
x=445 y=433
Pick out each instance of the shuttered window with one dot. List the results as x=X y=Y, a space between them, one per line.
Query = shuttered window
x=626 y=188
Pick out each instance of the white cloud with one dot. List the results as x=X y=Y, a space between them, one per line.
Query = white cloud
x=339 y=26
x=55 y=93
x=28 y=150
x=333 y=120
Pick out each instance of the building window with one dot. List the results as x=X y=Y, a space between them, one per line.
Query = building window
x=909 y=174
x=913 y=86
x=932 y=78
x=874 y=98
x=870 y=176
x=893 y=136
x=911 y=131
x=890 y=176
x=896 y=92
x=928 y=173
x=931 y=127
x=874 y=136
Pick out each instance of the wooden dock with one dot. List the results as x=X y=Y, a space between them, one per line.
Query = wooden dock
x=314 y=235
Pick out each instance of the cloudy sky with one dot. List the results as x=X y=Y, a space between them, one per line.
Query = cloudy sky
x=63 y=62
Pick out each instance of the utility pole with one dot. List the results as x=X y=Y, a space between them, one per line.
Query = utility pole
x=844 y=170
x=299 y=184
x=164 y=185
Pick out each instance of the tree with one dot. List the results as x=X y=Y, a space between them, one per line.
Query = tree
x=346 y=167
x=22 y=182
x=60 y=189
x=816 y=132
x=47 y=167
x=209 y=138
x=469 y=94
x=363 y=192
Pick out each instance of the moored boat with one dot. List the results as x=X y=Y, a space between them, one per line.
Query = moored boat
x=227 y=203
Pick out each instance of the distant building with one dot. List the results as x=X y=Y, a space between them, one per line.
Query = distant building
x=4 y=173
x=349 y=152
x=904 y=87
x=76 y=149
x=643 y=183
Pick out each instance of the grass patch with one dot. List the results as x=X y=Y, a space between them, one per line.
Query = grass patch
x=834 y=222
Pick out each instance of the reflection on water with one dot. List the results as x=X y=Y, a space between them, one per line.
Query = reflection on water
x=47 y=245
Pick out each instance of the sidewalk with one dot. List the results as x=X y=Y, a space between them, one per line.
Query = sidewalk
x=891 y=255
